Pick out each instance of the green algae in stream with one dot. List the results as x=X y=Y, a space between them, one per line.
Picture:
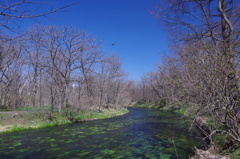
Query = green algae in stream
x=169 y=150
x=141 y=134
x=84 y=153
x=51 y=140
x=53 y=145
x=98 y=157
x=20 y=156
x=23 y=150
x=165 y=156
x=16 y=144
x=107 y=151
x=120 y=157
x=54 y=149
x=70 y=141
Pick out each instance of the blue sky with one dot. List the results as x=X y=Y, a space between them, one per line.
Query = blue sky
x=139 y=40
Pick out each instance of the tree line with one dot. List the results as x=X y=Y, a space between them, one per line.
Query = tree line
x=65 y=67
x=202 y=73
x=59 y=66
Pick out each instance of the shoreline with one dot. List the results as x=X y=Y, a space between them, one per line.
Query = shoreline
x=198 y=152
x=62 y=120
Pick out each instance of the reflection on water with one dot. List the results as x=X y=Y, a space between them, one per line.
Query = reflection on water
x=141 y=134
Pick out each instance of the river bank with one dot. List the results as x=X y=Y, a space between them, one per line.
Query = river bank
x=11 y=121
x=141 y=133
x=186 y=111
x=221 y=149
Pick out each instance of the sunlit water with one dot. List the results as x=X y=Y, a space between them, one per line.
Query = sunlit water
x=140 y=134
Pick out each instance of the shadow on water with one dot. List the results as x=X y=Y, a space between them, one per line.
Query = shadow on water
x=141 y=134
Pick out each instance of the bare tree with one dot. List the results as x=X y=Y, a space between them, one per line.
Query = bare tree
x=206 y=34
x=11 y=12
x=34 y=54
x=10 y=70
x=109 y=83
x=66 y=51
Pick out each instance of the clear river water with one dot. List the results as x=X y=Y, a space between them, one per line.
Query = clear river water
x=141 y=134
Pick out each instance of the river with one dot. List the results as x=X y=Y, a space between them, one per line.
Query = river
x=141 y=134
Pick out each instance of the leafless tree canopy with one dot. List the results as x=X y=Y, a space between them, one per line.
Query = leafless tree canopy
x=59 y=66
x=62 y=67
x=202 y=75
x=65 y=67
x=12 y=11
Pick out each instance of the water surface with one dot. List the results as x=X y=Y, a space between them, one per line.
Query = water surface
x=141 y=134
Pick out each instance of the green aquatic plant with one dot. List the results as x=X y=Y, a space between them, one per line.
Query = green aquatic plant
x=18 y=143
x=69 y=141
x=107 y=151
x=143 y=134
x=84 y=153
x=54 y=149
x=23 y=150
x=165 y=156
x=53 y=145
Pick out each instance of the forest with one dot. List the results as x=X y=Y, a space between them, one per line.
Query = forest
x=201 y=76
x=65 y=67
x=61 y=67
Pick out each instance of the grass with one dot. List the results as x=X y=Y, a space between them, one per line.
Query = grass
x=235 y=154
x=3 y=109
x=139 y=105
x=144 y=106
x=43 y=118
